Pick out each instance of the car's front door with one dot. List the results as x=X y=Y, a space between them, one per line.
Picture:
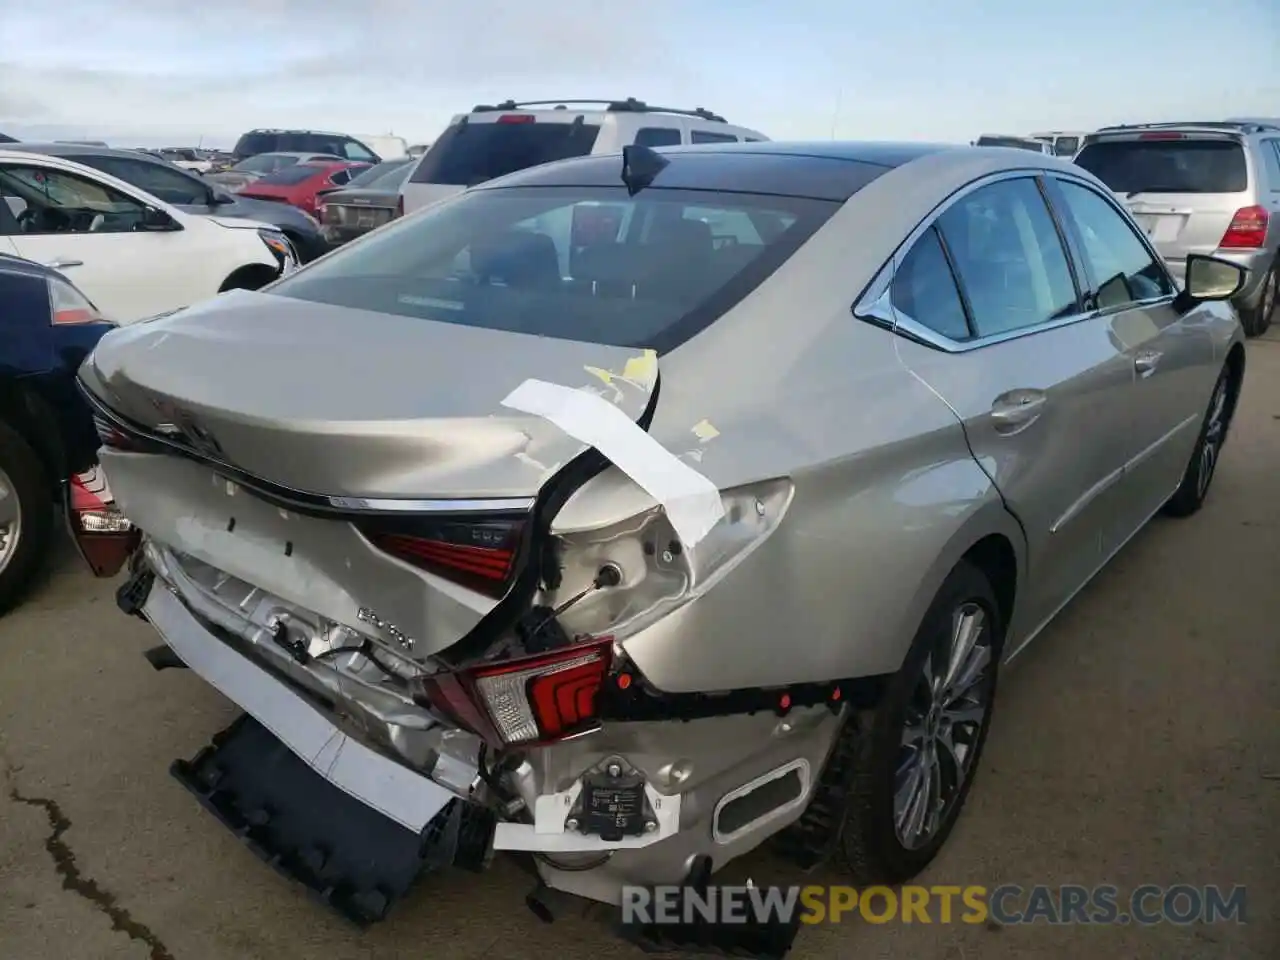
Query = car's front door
x=994 y=321
x=95 y=234
x=1170 y=352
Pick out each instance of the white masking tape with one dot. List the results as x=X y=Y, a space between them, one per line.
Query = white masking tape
x=692 y=502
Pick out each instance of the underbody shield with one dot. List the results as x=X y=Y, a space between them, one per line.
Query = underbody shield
x=348 y=855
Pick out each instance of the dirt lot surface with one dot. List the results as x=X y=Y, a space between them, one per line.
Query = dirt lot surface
x=1138 y=741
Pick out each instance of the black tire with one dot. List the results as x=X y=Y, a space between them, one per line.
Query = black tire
x=1257 y=320
x=30 y=484
x=1191 y=493
x=871 y=849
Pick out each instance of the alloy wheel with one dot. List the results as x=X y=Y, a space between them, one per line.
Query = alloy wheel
x=1215 y=432
x=10 y=520
x=945 y=718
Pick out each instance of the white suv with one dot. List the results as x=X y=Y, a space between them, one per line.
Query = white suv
x=492 y=141
x=132 y=254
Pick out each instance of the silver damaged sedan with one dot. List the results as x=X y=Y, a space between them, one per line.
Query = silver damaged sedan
x=631 y=511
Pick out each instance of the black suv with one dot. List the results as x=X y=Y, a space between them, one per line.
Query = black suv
x=302 y=141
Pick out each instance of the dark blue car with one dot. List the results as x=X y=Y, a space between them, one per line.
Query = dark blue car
x=48 y=443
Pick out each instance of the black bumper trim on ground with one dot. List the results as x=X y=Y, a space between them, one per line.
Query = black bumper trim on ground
x=349 y=856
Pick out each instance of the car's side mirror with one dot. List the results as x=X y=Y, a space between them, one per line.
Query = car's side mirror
x=1211 y=278
x=156 y=219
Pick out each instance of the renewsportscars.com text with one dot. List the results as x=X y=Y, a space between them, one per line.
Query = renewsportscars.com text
x=1007 y=904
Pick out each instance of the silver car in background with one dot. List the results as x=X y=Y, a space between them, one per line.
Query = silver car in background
x=1211 y=188
x=631 y=511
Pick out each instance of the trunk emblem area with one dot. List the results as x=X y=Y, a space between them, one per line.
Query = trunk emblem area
x=365 y=615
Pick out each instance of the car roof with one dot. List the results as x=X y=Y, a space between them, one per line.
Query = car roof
x=824 y=170
x=277 y=130
x=1241 y=127
x=72 y=150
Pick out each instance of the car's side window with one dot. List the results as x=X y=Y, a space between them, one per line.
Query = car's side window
x=356 y=151
x=159 y=181
x=658 y=137
x=710 y=136
x=50 y=201
x=924 y=289
x=1008 y=257
x=1122 y=266
x=340 y=177
x=1271 y=157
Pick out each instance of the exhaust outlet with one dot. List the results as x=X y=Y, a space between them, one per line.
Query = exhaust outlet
x=772 y=795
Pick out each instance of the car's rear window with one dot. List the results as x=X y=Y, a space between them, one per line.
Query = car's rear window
x=586 y=264
x=1015 y=142
x=1167 y=166
x=469 y=153
x=288 y=176
x=1066 y=146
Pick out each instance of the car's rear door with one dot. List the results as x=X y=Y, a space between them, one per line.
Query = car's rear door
x=993 y=319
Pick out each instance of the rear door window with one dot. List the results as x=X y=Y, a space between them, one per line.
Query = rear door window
x=1167 y=165
x=252 y=144
x=290 y=176
x=1011 y=264
x=470 y=153
x=658 y=137
x=708 y=136
x=158 y=180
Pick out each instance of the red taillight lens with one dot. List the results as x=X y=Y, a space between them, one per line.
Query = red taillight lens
x=1248 y=229
x=104 y=537
x=1162 y=136
x=517 y=118
x=478 y=554
x=531 y=699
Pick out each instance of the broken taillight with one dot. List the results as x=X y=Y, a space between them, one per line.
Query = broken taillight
x=527 y=700
x=478 y=554
x=102 y=534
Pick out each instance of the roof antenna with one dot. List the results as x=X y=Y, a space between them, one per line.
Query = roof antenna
x=640 y=164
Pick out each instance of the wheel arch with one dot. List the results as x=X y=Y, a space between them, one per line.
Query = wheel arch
x=993 y=541
x=251 y=276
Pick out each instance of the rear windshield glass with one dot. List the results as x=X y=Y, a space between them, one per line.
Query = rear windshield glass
x=586 y=264
x=1167 y=166
x=1066 y=146
x=383 y=175
x=471 y=153
x=298 y=173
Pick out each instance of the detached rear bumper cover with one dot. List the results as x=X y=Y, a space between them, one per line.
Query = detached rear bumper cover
x=393 y=790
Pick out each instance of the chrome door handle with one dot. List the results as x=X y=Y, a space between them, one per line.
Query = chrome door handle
x=1018 y=409
x=61 y=264
x=1146 y=362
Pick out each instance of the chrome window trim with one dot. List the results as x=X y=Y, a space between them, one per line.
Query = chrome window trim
x=876 y=307
x=875 y=304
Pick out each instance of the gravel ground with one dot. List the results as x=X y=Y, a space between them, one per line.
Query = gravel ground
x=1136 y=742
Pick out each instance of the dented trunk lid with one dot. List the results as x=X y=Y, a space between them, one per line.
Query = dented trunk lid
x=352 y=405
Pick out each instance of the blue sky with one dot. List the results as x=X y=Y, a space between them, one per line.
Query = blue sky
x=153 y=71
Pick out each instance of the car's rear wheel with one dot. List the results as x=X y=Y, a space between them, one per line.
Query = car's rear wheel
x=919 y=756
x=26 y=516
x=1258 y=319
x=1203 y=465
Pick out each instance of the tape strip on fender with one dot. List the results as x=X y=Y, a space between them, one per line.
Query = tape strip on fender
x=692 y=502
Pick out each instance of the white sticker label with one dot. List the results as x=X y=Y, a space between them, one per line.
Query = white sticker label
x=692 y=502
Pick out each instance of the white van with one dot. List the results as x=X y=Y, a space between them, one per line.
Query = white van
x=492 y=141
